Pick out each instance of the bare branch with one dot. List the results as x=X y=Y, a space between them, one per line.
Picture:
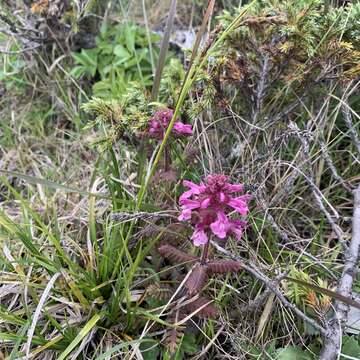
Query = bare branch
x=331 y=165
x=332 y=340
x=310 y=178
x=345 y=109
x=272 y=286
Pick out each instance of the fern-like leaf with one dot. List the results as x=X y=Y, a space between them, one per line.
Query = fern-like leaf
x=174 y=255
x=172 y=337
x=159 y=291
x=208 y=311
x=223 y=266
x=197 y=279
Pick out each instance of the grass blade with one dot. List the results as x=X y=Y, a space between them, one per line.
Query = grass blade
x=35 y=180
x=163 y=51
x=90 y=324
x=38 y=311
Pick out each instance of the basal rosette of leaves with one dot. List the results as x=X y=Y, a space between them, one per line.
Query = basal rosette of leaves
x=121 y=56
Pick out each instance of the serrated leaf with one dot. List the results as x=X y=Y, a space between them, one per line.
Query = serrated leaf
x=223 y=266
x=350 y=347
x=197 y=279
x=174 y=255
x=208 y=311
x=77 y=71
x=130 y=33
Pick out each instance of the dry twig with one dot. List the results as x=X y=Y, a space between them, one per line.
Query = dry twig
x=333 y=335
x=272 y=286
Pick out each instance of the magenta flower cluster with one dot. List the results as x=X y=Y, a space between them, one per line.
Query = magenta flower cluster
x=208 y=206
x=160 y=122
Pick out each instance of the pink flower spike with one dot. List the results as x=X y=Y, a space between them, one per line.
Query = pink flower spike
x=182 y=129
x=160 y=121
x=208 y=205
x=199 y=236
x=221 y=226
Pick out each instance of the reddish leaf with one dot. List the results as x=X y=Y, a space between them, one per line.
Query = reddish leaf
x=208 y=311
x=172 y=337
x=197 y=279
x=223 y=266
x=159 y=291
x=174 y=255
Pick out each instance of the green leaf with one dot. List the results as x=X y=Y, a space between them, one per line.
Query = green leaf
x=78 y=71
x=189 y=345
x=130 y=32
x=106 y=48
x=350 y=347
x=149 y=351
x=121 y=52
x=87 y=58
x=84 y=331
x=120 y=346
x=51 y=184
x=292 y=353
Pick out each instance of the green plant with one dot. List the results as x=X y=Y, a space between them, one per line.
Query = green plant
x=121 y=56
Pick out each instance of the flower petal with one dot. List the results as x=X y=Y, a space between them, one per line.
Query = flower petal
x=186 y=195
x=182 y=129
x=190 y=204
x=185 y=215
x=195 y=189
x=237 y=228
x=240 y=204
x=199 y=236
x=205 y=203
x=222 y=197
x=231 y=188
x=221 y=226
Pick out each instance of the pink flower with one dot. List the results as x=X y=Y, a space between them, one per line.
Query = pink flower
x=240 y=204
x=208 y=205
x=199 y=237
x=237 y=228
x=182 y=129
x=221 y=226
x=160 y=122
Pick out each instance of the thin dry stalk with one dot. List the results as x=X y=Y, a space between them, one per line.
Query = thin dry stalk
x=334 y=328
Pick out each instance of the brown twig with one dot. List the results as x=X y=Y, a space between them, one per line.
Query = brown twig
x=333 y=335
x=272 y=286
x=318 y=196
x=345 y=109
x=331 y=165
